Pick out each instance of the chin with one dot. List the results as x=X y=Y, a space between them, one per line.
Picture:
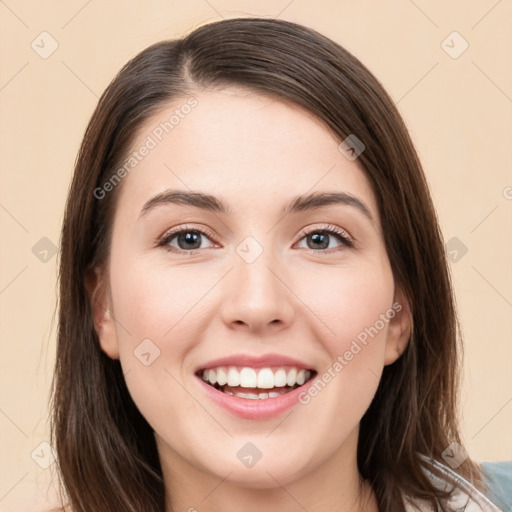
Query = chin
x=271 y=473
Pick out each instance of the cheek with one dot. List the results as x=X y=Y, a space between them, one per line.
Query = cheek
x=355 y=307
x=159 y=302
x=348 y=301
x=156 y=324
x=160 y=316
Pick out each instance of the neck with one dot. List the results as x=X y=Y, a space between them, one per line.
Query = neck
x=334 y=485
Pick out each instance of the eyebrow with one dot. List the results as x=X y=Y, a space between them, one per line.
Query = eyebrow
x=213 y=204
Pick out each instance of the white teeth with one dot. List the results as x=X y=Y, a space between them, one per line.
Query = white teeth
x=233 y=377
x=250 y=396
x=222 y=376
x=264 y=378
x=248 y=378
x=301 y=377
x=291 y=379
x=280 y=378
x=253 y=395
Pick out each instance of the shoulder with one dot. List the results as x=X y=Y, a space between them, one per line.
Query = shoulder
x=498 y=477
x=464 y=497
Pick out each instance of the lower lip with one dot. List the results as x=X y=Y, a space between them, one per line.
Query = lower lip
x=255 y=409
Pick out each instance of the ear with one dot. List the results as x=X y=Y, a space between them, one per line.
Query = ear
x=103 y=317
x=399 y=328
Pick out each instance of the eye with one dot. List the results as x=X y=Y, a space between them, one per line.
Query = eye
x=184 y=239
x=187 y=239
x=319 y=239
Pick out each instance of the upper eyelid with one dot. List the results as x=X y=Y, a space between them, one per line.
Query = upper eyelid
x=163 y=240
x=180 y=229
x=326 y=227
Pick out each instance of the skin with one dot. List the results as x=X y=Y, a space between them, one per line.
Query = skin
x=256 y=154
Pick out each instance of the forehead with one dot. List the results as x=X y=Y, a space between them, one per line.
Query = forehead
x=248 y=148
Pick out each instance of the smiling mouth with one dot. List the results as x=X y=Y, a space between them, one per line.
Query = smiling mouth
x=256 y=383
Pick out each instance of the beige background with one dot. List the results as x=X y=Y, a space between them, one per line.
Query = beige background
x=458 y=111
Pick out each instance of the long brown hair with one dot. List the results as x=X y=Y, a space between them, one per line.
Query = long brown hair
x=107 y=456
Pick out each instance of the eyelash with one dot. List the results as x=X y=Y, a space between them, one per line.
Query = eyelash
x=344 y=238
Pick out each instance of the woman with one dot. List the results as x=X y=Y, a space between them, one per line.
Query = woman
x=255 y=306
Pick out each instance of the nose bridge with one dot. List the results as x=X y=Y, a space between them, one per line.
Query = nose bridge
x=252 y=266
x=257 y=296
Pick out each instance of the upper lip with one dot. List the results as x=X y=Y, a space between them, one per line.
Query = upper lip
x=262 y=361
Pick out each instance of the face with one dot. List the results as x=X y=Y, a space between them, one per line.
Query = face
x=256 y=296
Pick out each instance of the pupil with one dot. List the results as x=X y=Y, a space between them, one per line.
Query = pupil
x=319 y=238
x=190 y=237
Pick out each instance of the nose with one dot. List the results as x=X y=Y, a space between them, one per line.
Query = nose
x=257 y=297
